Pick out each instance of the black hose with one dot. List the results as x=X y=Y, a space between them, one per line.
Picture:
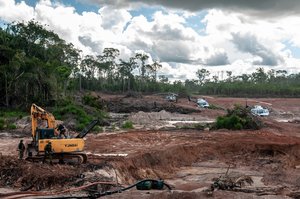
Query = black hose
x=64 y=197
x=97 y=195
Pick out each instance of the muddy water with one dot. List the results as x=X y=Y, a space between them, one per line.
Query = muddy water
x=199 y=176
x=269 y=159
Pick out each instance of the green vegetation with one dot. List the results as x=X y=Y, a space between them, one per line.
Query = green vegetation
x=238 y=118
x=92 y=101
x=35 y=65
x=127 y=125
x=8 y=117
x=69 y=109
x=12 y=114
x=2 y=123
x=212 y=106
x=97 y=129
x=38 y=66
x=11 y=126
x=260 y=83
x=199 y=126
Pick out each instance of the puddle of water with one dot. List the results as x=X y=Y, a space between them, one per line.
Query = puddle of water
x=288 y=120
x=190 y=122
x=283 y=120
x=108 y=154
x=206 y=171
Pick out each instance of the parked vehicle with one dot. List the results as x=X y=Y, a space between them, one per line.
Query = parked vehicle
x=172 y=97
x=202 y=103
x=260 y=111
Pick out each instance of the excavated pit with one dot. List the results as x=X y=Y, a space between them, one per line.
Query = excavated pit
x=163 y=163
x=186 y=159
x=277 y=162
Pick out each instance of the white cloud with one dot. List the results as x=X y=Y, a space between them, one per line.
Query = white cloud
x=256 y=39
x=169 y=39
x=249 y=43
x=114 y=19
x=63 y=20
x=10 y=11
x=231 y=41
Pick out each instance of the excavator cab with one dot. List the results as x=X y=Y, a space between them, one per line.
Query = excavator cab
x=45 y=133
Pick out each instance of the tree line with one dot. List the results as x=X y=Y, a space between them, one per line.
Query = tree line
x=261 y=83
x=36 y=65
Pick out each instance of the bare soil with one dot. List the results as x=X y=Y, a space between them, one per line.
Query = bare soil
x=186 y=159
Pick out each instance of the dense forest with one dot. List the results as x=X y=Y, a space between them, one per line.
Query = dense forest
x=260 y=83
x=38 y=66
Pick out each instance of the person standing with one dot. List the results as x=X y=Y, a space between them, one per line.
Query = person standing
x=21 y=149
x=48 y=153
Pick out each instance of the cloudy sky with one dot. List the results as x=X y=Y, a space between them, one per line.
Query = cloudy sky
x=184 y=35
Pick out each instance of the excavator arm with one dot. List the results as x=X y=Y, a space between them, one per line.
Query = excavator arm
x=87 y=129
x=37 y=113
x=91 y=125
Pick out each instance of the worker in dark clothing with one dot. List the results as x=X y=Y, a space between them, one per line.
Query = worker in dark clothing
x=48 y=152
x=62 y=131
x=21 y=149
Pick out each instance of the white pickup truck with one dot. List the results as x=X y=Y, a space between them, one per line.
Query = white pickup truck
x=202 y=103
x=260 y=111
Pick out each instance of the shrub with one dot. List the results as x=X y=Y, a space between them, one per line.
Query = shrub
x=2 y=123
x=11 y=126
x=238 y=126
x=75 y=111
x=214 y=107
x=97 y=129
x=80 y=127
x=91 y=101
x=13 y=114
x=199 y=126
x=127 y=125
x=83 y=115
x=238 y=118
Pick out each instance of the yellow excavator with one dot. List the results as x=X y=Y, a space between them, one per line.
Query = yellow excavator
x=64 y=149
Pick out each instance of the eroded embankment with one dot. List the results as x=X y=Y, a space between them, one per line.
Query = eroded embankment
x=27 y=175
x=276 y=157
x=275 y=160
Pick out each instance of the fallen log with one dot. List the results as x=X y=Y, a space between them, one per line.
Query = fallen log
x=24 y=194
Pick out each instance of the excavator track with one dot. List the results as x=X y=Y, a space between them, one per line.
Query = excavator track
x=69 y=158
x=77 y=158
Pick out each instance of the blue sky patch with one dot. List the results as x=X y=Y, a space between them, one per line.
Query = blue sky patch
x=78 y=5
x=294 y=49
x=146 y=12
x=195 y=22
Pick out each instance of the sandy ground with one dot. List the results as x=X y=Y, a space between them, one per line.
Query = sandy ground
x=189 y=159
